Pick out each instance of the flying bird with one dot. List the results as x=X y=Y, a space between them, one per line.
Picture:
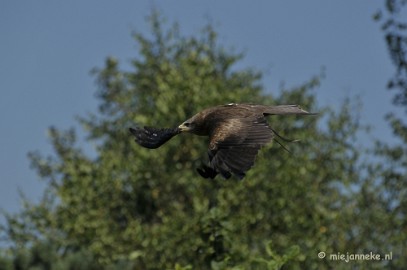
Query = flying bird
x=236 y=134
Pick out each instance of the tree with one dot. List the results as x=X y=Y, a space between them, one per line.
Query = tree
x=394 y=28
x=390 y=173
x=136 y=208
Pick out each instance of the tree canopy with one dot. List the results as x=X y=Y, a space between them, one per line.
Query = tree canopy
x=127 y=207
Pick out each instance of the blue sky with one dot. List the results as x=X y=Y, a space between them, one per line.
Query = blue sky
x=48 y=48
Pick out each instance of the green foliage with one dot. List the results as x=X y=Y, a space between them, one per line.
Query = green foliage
x=134 y=208
x=276 y=261
x=387 y=193
x=394 y=26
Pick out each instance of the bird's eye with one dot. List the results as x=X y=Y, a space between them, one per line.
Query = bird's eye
x=187 y=124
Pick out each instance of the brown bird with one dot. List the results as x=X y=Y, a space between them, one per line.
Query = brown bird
x=236 y=133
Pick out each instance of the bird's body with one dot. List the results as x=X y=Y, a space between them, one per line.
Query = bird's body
x=236 y=133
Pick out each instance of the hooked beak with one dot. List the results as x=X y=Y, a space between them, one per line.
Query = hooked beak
x=184 y=127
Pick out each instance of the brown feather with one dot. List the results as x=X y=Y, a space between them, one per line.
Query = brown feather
x=236 y=134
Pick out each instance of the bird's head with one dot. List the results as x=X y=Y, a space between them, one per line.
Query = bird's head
x=187 y=126
x=196 y=125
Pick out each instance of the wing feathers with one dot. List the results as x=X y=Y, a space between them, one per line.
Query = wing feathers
x=235 y=144
x=284 y=109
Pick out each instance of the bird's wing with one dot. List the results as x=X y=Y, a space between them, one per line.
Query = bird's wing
x=283 y=110
x=272 y=110
x=153 y=137
x=234 y=144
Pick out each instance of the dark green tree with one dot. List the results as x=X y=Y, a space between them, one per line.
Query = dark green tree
x=130 y=207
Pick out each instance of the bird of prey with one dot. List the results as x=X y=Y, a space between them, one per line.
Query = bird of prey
x=236 y=133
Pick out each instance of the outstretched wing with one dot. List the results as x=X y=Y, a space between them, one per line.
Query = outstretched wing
x=152 y=138
x=234 y=144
